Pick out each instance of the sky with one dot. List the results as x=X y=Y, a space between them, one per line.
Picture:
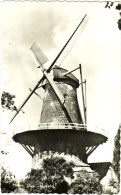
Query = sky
x=50 y=24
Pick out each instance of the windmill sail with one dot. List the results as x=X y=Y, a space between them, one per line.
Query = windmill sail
x=54 y=87
x=49 y=69
x=72 y=42
x=53 y=63
x=39 y=56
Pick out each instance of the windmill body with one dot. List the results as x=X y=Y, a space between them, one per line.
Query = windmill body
x=57 y=132
x=61 y=128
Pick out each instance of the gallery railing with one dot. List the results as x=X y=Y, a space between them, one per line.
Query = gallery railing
x=62 y=126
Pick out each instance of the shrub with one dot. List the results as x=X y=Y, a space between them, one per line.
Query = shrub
x=116 y=155
x=87 y=183
x=8 y=183
x=52 y=178
x=113 y=187
x=49 y=179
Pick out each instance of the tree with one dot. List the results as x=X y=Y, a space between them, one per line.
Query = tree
x=7 y=101
x=109 y=4
x=114 y=182
x=49 y=179
x=52 y=178
x=116 y=155
x=118 y=7
x=8 y=183
x=86 y=183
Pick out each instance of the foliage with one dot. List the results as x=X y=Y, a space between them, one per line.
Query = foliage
x=116 y=155
x=113 y=183
x=49 y=179
x=52 y=178
x=87 y=183
x=7 y=101
x=8 y=183
x=118 y=7
x=109 y=4
x=113 y=187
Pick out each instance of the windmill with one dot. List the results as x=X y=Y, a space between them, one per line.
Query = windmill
x=62 y=127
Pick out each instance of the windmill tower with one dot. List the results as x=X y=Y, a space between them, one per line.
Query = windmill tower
x=61 y=128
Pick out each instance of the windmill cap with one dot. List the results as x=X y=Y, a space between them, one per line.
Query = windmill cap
x=59 y=72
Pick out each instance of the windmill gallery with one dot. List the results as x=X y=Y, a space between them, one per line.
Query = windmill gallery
x=62 y=127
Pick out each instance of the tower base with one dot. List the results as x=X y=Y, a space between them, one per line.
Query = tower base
x=78 y=164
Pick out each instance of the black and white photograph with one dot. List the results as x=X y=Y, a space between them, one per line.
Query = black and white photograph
x=60 y=96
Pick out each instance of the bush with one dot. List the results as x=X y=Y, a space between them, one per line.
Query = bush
x=87 y=183
x=52 y=178
x=116 y=155
x=113 y=187
x=49 y=179
x=8 y=183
